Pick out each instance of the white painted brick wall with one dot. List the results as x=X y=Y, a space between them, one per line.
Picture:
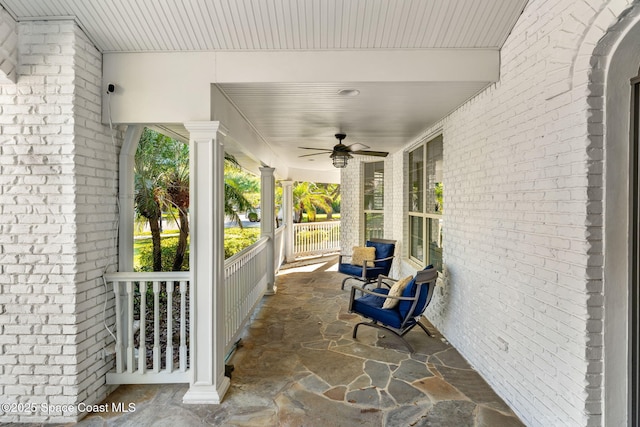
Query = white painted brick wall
x=351 y=213
x=522 y=291
x=57 y=231
x=351 y=218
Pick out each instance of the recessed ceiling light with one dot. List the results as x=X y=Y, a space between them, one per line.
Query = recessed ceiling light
x=349 y=92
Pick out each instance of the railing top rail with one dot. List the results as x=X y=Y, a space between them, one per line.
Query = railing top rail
x=316 y=224
x=261 y=242
x=153 y=275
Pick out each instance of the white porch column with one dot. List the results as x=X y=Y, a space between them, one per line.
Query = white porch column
x=267 y=223
x=206 y=163
x=287 y=207
x=126 y=196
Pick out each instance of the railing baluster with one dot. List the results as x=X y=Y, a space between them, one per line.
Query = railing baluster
x=169 y=349
x=119 y=355
x=321 y=237
x=130 y=343
x=244 y=286
x=142 y=348
x=183 y=326
x=156 y=326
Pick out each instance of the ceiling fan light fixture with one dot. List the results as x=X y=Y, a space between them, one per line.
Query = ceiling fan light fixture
x=348 y=92
x=340 y=159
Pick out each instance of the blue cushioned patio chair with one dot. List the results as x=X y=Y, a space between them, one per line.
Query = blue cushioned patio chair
x=401 y=319
x=370 y=270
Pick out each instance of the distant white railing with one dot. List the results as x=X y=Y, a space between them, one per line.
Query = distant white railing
x=245 y=283
x=314 y=238
x=132 y=291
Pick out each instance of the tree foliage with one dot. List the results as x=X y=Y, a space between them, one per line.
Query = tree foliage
x=162 y=186
x=309 y=198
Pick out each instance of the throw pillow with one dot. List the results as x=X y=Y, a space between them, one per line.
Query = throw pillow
x=396 y=291
x=361 y=254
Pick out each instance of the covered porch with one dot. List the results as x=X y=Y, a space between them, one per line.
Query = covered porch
x=297 y=364
x=509 y=133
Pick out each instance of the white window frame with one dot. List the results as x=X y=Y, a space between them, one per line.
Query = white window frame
x=366 y=211
x=423 y=215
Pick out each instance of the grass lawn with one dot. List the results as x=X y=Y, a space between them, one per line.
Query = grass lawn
x=235 y=240
x=321 y=217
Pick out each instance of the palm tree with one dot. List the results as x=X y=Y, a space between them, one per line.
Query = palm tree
x=333 y=191
x=150 y=189
x=178 y=194
x=307 y=198
x=235 y=200
x=162 y=185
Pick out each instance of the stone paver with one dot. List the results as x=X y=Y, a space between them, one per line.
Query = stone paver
x=298 y=365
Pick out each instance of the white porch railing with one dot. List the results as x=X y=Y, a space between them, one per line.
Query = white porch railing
x=245 y=284
x=315 y=238
x=152 y=359
x=146 y=352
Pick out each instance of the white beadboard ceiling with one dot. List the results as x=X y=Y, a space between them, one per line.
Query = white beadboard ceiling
x=172 y=25
x=385 y=116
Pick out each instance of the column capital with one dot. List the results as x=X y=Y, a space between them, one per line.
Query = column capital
x=286 y=182
x=205 y=130
x=266 y=170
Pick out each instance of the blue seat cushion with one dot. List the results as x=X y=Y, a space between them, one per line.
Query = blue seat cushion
x=356 y=270
x=383 y=250
x=371 y=306
x=404 y=307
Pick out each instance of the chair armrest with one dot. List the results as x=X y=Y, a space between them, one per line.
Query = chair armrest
x=372 y=262
x=343 y=256
x=382 y=278
x=366 y=291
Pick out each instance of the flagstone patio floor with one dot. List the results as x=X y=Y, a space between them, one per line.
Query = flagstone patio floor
x=297 y=365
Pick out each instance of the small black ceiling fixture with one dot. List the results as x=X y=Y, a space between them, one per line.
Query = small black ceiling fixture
x=340 y=154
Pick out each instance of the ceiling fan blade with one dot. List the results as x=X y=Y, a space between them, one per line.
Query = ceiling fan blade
x=317 y=149
x=356 y=146
x=371 y=153
x=314 y=154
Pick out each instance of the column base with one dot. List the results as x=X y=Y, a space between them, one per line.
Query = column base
x=206 y=394
x=271 y=291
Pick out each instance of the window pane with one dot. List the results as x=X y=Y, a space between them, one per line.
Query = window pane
x=374 y=186
x=416 y=180
x=435 y=242
x=415 y=236
x=373 y=226
x=434 y=177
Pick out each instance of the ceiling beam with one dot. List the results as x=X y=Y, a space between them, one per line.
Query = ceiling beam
x=410 y=65
x=174 y=87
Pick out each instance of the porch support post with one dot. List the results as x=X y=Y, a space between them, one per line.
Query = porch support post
x=206 y=163
x=126 y=196
x=287 y=207
x=267 y=223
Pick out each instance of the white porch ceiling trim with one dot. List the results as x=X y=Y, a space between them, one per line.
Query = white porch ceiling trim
x=414 y=65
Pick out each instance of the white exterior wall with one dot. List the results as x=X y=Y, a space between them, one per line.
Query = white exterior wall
x=351 y=215
x=57 y=230
x=522 y=295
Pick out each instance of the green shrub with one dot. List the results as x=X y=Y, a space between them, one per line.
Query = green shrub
x=235 y=240
x=312 y=235
x=169 y=247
